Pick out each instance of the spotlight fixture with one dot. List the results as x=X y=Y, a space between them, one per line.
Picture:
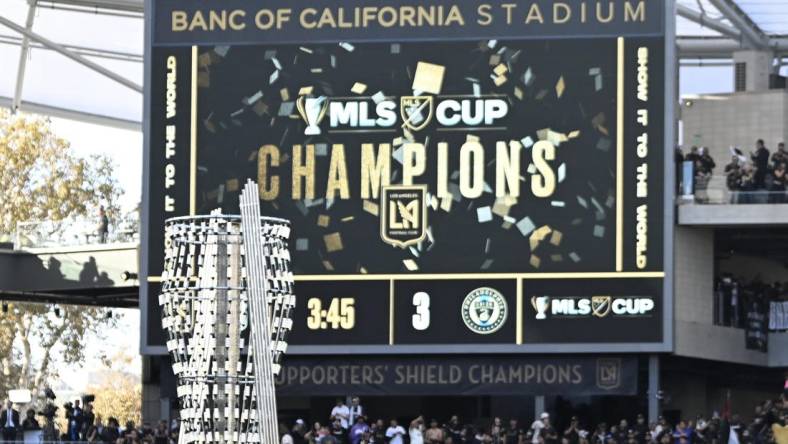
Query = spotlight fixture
x=5 y=307
x=129 y=276
x=109 y=314
x=57 y=312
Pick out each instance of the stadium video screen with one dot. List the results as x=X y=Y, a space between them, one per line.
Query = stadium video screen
x=455 y=173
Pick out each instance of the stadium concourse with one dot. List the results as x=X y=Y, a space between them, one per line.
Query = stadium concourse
x=511 y=222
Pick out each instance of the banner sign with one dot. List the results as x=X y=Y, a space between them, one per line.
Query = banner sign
x=423 y=375
x=286 y=21
x=452 y=161
x=756 y=329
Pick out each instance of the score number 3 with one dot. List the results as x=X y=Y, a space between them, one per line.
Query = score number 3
x=421 y=319
x=341 y=313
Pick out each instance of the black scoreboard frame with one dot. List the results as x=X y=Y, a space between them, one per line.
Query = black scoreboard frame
x=521 y=343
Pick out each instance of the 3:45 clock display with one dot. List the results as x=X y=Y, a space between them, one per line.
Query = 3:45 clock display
x=341 y=313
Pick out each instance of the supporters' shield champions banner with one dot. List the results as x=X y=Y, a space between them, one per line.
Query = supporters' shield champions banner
x=453 y=376
x=430 y=142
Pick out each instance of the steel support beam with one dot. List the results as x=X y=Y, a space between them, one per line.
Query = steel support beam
x=704 y=20
x=719 y=47
x=6 y=39
x=80 y=116
x=115 y=5
x=653 y=388
x=707 y=47
x=539 y=406
x=75 y=57
x=20 y=72
x=704 y=63
x=114 y=298
x=750 y=31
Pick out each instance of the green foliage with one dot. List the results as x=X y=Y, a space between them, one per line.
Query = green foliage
x=118 y=394
x=36 y=337
x=42 y=179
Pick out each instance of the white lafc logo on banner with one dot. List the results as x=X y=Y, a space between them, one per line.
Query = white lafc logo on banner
x=484 y=310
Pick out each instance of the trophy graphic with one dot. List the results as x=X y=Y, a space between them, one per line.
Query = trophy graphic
x=227 y=303
x=540 y=305
x=312 y=110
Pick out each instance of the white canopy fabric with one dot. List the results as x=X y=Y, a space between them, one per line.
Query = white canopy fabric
x=52 y=80
x=771 y=16
x=110 y=33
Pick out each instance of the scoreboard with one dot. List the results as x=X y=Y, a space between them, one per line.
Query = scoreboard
x=457 y=173
x=441 y=311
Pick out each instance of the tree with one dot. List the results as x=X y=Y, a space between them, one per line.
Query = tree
x=42 y=179
x=118 y=393
x=41 y=335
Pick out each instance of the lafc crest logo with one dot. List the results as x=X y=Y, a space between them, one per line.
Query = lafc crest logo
x=403 y=219
x=608 y=373
x=416 y=111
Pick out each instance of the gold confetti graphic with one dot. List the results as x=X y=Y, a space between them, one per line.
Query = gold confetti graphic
x=560 y=86
x=333 y=242
x=554 y=233
x=429 y=77
x=358 y=88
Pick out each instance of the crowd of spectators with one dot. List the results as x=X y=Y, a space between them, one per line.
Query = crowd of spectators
x=83 y=426
x=757 y=178
x=737 y=297
x=746 y=178
x=350 y=424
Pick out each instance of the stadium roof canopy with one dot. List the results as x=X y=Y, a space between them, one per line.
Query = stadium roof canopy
x=82 y=59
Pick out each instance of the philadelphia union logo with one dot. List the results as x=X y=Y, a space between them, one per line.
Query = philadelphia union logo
x=484 y=310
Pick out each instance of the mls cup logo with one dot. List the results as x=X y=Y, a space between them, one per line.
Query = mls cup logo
x=403 y=219
x=600 y=305
x=541 y=304
x=416 y=111
x=312 y=110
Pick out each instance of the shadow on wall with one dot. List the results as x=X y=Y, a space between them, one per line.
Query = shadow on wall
x=89 y=275
x=28 y=273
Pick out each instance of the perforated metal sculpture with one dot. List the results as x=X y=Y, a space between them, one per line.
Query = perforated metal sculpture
x=227 y=299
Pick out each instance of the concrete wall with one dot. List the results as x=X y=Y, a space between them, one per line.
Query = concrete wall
x=87 y=266
x=721 y=120
x=694 y=275
x=733 y=215
x=778 y=349
x=758 y=66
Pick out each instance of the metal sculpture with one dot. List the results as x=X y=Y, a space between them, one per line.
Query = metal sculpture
x=227 y=299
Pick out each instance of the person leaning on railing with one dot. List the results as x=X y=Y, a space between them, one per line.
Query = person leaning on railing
x=747 y=184
x=760 y=158
x=776 y=184
x=732 y=176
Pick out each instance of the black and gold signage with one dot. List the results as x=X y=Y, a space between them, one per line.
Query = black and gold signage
x=445 y=165
x=251 y=21
x=500 y=375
